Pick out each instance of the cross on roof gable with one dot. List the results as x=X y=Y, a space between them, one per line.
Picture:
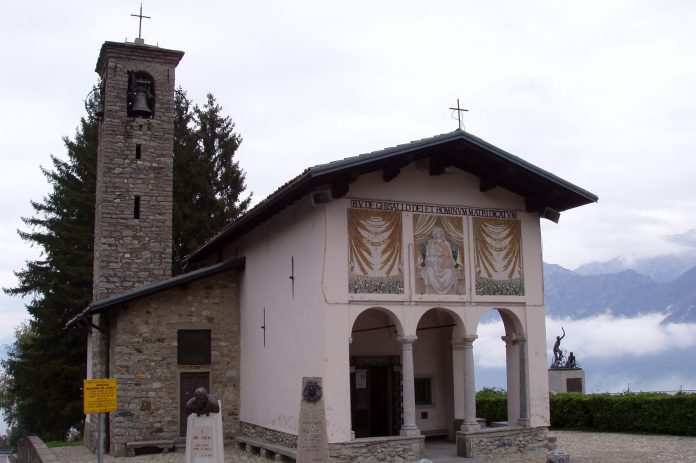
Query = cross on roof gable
x=543 y=192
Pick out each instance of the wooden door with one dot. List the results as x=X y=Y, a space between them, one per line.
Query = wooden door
x=188 y=383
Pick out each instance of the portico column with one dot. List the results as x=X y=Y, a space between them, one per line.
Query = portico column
x=458 y=378
x=524 y=393
x=409 y=427
x=470 y=423
x=512 y=370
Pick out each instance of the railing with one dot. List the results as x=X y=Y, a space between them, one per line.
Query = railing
x=678 y=391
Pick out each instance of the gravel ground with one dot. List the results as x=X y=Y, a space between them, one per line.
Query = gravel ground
x=583 y=447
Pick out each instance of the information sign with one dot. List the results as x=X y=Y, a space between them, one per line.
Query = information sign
x=100 y=395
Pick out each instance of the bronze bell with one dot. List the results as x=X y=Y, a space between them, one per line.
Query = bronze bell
x=141 y=107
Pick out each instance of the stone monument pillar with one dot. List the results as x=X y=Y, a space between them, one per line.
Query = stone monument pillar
x=312 y=440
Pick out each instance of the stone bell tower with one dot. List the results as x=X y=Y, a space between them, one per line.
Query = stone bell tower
x=133 y=213
x=133 y=222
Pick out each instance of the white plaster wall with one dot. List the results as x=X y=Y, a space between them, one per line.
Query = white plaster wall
x=271 y=375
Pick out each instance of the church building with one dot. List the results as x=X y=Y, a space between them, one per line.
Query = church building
x=371 y=272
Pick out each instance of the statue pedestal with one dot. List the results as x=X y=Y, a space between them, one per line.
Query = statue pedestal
x=567 y=380
x=204 y=439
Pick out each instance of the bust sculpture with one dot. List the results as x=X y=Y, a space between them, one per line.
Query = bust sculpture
x=202 y=403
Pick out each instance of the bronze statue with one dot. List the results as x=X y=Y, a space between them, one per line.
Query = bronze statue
x=202 y=403
x=557 y=353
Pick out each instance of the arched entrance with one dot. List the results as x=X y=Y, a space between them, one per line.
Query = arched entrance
x=375 y=374
x=501 y=339
x=433 y=373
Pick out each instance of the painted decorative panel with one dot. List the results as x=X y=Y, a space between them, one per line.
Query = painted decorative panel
x=498 y=256
x=438 y=254
x=374 y=254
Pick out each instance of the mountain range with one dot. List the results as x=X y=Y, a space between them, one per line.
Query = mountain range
x=664 y=284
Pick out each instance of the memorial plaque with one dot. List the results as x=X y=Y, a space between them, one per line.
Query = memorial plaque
x=312 y=441
x=204 y=439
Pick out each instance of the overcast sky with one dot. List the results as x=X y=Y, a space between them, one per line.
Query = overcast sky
x=600 y=93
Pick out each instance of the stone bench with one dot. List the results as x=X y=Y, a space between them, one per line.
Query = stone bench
x=165 y=444
x=435 y=433
x=266 y=449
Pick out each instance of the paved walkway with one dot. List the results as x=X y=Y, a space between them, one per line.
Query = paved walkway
x=583 y=447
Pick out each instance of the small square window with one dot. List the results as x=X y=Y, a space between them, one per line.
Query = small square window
x=424 y=391
x=193 y=347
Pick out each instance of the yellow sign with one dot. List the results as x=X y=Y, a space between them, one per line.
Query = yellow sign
x=100 y=395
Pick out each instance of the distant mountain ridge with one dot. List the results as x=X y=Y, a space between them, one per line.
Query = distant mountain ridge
x=661 y=269
x=623 y=293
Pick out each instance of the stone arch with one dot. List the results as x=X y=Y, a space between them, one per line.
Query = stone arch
x=390 y=314
x=457 y=330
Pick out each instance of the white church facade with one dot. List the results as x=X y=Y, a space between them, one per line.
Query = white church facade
x=373 y=273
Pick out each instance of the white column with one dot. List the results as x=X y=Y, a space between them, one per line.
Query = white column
x=524 y=389
x=470 y=423
x=409 y=427
x=458 y=377
x=512 y=369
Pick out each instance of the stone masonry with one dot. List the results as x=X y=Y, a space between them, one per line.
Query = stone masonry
x=133 y=252
x=143 y=353
x=497 y=442
x=390 y=449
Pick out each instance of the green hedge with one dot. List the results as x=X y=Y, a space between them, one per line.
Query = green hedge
x=641 y=412
x=652 y=413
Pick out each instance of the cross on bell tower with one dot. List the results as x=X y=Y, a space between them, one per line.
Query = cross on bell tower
x=140 y=40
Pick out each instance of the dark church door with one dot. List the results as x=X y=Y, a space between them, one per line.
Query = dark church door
x=375 y=396
x=188 y=383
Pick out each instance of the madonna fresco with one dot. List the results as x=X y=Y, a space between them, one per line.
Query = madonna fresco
x=374 y=252
x=439 y=254
x=498 y=256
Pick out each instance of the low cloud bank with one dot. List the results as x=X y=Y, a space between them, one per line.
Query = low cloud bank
x=616 y=353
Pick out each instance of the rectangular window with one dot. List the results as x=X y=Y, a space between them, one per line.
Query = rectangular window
x=193 y=347
x=138 y=150
x=424 y=391
x=136 y=207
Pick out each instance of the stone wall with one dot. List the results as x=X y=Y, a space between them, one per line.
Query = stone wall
x=33 y=450
x=386 y=449
x=395 y=449
x=143 y=358
x=269 y=435
x=501 y=441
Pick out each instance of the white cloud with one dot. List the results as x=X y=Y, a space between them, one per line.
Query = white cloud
x=608 y=337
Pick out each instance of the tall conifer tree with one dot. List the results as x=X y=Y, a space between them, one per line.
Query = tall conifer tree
x=40 y=385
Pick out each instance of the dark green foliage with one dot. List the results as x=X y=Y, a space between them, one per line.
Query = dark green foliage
x=208 y=182
x=40 y=382
x=491 y=404
x=653 y=413
x=41 y=385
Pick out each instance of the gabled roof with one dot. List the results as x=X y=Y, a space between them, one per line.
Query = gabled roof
x=543 y=191
x=106 y=304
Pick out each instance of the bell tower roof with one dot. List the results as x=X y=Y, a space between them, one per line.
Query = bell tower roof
x=135 y=51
